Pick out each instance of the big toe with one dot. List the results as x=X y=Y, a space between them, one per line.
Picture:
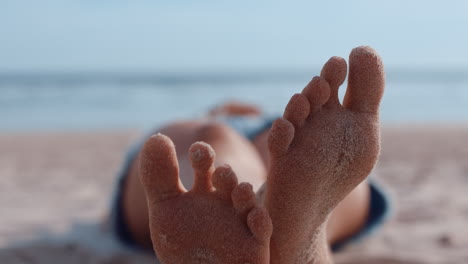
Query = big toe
x=366 y=81
x=159 y=169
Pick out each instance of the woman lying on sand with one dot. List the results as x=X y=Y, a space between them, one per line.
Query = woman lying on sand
x=303 y=177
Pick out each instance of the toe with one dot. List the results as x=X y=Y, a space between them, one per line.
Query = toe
x=366 y=81
x=280 y=137
x=243 y=198
x=224 y=180
x=259 y=222
x=297 y=110
x=159 y=170
x=334 y=72
x=202 y=158
x=317 y=92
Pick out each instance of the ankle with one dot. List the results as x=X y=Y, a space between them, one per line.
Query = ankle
x=319 y=251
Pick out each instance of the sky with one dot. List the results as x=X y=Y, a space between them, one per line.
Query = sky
x=213 y=35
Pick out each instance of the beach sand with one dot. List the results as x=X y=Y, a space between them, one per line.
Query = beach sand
x=55 y=191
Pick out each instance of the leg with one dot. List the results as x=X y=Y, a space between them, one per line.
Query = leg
x=320 y=151
x=235 y=108
x=350 y=215
x=230 y=147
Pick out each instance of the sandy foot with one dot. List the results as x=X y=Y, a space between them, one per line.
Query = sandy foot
x=320 y=151
x=217 y=221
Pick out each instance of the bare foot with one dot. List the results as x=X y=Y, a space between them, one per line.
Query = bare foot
x=235 y=108
x=208 y=224
x=319 y=152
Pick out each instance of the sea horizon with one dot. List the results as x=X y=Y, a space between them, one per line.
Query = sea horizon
x=83 y=100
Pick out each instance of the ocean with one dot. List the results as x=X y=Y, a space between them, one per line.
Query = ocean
x=88 y=101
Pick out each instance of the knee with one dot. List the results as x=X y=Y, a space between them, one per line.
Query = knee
x=213 y=131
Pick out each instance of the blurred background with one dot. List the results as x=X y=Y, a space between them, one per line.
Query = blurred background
x=120 y=64
x=80 y=80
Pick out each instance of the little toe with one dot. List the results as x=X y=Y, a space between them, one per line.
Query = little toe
x=280 y=137
x=243 y=198
x=334 y=72
x=317 y=92
x=224 y=180
x=297 y=110
x=366 y=81
x=202 y=157
x=159 y=169
x=259 y=222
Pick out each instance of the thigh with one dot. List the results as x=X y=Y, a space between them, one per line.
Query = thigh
x=230 y=147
